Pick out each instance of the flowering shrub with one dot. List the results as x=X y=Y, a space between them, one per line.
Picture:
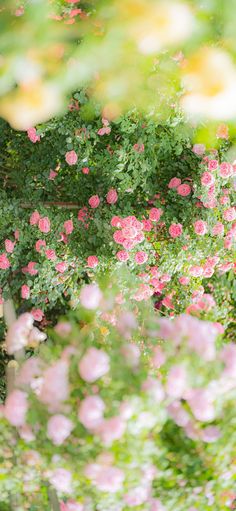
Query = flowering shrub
x=125 y=410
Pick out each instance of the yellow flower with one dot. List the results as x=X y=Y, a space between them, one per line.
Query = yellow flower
x=210 y=82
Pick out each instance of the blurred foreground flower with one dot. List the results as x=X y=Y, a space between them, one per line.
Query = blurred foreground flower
x=210 y=79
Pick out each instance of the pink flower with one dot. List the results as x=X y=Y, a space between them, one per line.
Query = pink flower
x=63 y=328
x=139 y=148
x=106 y=130
x=111 y=429
x=229 y=214
x=207 y=179
x=9 y=246
x=94 y=201
x=92 y=261
x=16 y=407
x=136 y=496
x=34 y=219
x=71 y=505
x=18 y=334
x=25 y=292
x=212 y=165
x=94 y=364
x=200 y=402
x=200 y=227
x=176 y=381
x=147 y=225
x=174 y=182
x=112 y=196
x=90 y=296
x=184 y=190
x=44 y=224
x=32 y=134
x=207 y=271
x=210 y=434
x=52 y=175
x=116 y=221
x=175 y=230
x=85 y=170
x=68 y=226
x=91 y=412
x=59 y=428
x=106 y=478
x=37 y=314
x=4 y=262
x=122 y=255
x=218 y=229
x=184 y=281
x=71 y=157
x=39 y=244
x=55 y=387
x=61 y=480
x=50 y=254
x=155 y=214
x=30 y=268
x=199 y=149
x=196 y=271
x=61 y=267
x=141 y=257
x=226 y=170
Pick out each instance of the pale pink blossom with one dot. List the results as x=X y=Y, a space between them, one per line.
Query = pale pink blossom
x=52 y=175
x=44 y=224
x=16 y=407
x=61 y=480
x=210 y=434
x=218 y=229
x=28 y=371
x=184 y=190
x=212 y=165
x=90 y=296
x=196 y=271
x=116 y=221
x=184 y=281
x=159 y=357
x=228 y=355
x=55 y=386
x=61 y=267
x=50 y=254
x=226 y=170
x=106 y=478
x=207 y=179
x=32 y=135
x=155 y=214
x=156 y=505
x=141 y=257
x=154 y=389
x=230 y=214
x=37 y=314
x=35 y=217
x=91 y=412
x=59 y=428
x=94 y=364
x=200 y=227
x=131 y=353
x=111 y=429
x=39 y=244
x=71 y=505
x=68 y=226
x=25 y=292
x=136 y=496
x=178 y=413
x=9 y=246
x=175 y=230
x=201 y=404
x=92 y=261
x=112 y=196
x=199 y=149
x=18 y=334
x=176 y=381
x=174 y=182
x=71 y=157
x=122 y=255
x=94 y=201
x=4 y=262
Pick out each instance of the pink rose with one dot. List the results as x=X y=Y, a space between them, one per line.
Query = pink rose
x=200 y=402
x=4 y=262
x=174 y=182
x=218 y=229
x=176 y=381
x=94 y=201
x=50 y=254
x=34 y=219
x=90 y=296
x=105 y=477
x=184 y=190
x=111 y=429
x=9 y=246
x=37 y=314
x=59 y=428
x=16 y=407
x=85 y=170
x=55 y=386
x=147 y=225
x=25 y=292
x=91 y=412
x=31 y=268
x=32 y=134
x=175 y=230
x=229 y=214
x=207 y=179
x=39 y=244
x=199 y=149
x=116 y=221
x=44 y=224
x=139 y=148
x=200 y=227
x=184 y=281
x=18 y=334
x=212 y=165
x=52 y=175
x=196 y=271
x=71 y=505
x=61 y=480
x=93 y=365
x=141 y=257
x=68 y=226
x=61 y=267
x=155 y=214
x=112 y=196
x=122 y=255
x=226 y=170
x=92 y=261
x=71 y=157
